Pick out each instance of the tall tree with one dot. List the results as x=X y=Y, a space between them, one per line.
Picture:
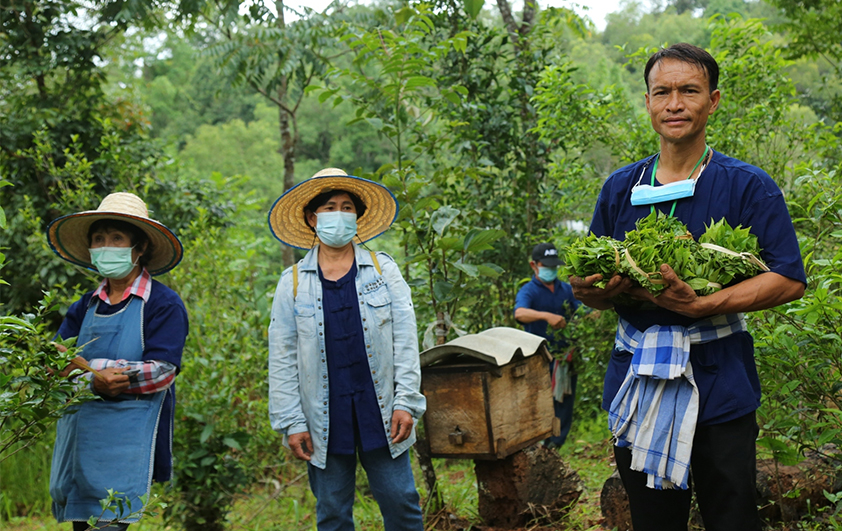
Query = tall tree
x=278 y=61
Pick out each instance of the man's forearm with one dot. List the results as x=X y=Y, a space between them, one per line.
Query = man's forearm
x=761 y=292
x=528 y=315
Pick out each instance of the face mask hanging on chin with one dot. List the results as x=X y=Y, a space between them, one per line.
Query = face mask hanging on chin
x=644 y=194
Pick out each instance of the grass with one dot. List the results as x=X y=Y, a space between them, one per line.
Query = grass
x=287 y=503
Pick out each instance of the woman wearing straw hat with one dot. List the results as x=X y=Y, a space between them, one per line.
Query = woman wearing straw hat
x=132 y=330
x=344 y=372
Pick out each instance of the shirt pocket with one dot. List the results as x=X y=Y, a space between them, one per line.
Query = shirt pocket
x=305 y=319
x=380 y=306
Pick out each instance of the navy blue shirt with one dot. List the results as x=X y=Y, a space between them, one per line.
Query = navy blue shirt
x=724 y=370
x=536 y=296
x=165 y=328
x=354 y=413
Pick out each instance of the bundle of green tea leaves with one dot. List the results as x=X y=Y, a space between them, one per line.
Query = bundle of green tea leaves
x=657 y=239
x=591 y=255
x=722 y=256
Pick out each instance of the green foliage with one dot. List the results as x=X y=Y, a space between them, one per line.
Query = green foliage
x=33 y=399
x=754 y=122
x=223 y=280
x=799 y=351
x=592 y=332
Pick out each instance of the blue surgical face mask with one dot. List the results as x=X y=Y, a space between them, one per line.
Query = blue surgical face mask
x=113 y=262
x=547 y=274
x=336 y=229
x=644 y=194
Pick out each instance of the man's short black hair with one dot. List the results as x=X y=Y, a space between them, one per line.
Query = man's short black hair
x=137 y=236
x=689 y=54
x=324 y=197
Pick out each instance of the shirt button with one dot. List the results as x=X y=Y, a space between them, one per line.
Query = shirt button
x=373 y=372
x=380 y=397
x=325 y=376
x=363 y=319
x=324 y=438
x=375 y=381
x=324 y=429
x=366 y=329
x=323 y=351
x=325 y=403
x=326 y=411
x=368 y=346
x=324 y=387
x=320 y=324
x=320 y=333
x=360 y=293
x=323 y=360
x=381 y=407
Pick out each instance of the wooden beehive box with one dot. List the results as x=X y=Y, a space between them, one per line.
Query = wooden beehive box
x=488 y=394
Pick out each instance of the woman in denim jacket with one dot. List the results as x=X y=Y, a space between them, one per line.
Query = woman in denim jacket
x=344 y=372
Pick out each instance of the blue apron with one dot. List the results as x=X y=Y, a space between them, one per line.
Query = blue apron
x=107 y=443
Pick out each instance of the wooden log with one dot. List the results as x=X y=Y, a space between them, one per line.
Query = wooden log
x=529 y=485
x=784 y=493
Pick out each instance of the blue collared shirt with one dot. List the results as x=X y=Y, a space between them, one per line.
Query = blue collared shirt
x=299 y=396
x=536 y=296
x=725 y=373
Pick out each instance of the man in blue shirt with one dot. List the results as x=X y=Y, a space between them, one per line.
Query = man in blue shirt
x=546 y=303
x=681 y=84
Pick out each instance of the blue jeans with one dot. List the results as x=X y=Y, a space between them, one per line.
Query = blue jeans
x=391 y=483
x=564 y=412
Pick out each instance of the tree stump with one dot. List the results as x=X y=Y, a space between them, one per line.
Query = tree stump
x=532 y=484
x=614 y=503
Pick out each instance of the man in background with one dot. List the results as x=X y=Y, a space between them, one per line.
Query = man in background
x=543 y=306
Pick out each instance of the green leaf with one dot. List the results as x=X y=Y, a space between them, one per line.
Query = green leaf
x=443 y=289
x=473 y=7
x=419 y=81
x=443 y=217
x=206 y=433
x=469 y=269
x=479 y=240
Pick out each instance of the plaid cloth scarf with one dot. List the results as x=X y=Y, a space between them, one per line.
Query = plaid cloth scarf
x=656 y=408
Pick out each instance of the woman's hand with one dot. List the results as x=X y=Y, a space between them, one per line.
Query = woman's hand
x=301 y=445
x=401 y=426
x=112 y=383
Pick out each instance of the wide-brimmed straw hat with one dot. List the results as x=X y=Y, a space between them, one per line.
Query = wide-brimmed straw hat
x=68 y=235
x=286 y=217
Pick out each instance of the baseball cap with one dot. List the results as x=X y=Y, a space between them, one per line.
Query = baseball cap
x=547 y=254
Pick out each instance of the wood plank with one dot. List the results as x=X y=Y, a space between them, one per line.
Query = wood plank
x=521 y=403
x=455 y=399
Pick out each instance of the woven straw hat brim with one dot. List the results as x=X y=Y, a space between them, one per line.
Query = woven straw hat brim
x=286 y=217
x=68 y=237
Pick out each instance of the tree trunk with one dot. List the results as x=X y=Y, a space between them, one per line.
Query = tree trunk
x=287 y=149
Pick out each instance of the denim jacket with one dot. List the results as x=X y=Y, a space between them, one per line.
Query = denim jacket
x=298 y=376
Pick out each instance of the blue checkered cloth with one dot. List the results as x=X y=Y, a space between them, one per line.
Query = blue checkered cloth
x=656 y=408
